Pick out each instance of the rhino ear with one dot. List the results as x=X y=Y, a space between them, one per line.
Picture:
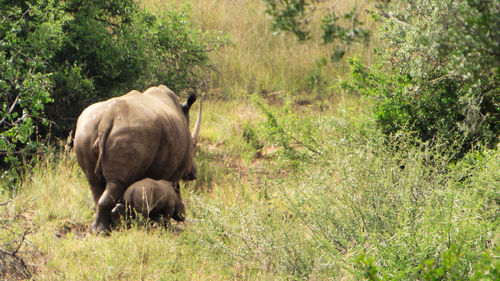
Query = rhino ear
x=186 y=106
x=191 y=99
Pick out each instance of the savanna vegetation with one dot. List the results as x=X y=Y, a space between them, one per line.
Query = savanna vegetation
x=340 y=139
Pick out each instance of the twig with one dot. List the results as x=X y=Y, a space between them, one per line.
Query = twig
x=16 y=101
x=298 y=141
x=23 y=237
x=444 y=78
x=317 y=152
x=10 y=16
x=5 y=203
x=17 y=263
x=390 y=17
x=20 y=152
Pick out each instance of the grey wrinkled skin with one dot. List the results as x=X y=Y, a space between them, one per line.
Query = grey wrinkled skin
x=128 y=138
x=157 y=200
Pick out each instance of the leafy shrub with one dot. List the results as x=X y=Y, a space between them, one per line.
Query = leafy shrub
x=488 y=266
x=440 y=72
x=444 y=268
x=368 y=205
x=109 y=48
x=24 y=85
x=295 y=137
x=59 y=56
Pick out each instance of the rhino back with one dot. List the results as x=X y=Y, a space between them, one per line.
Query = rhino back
x=86 y=135
x=148 y=138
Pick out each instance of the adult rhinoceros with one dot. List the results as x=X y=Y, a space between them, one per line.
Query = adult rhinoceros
x=135 y=136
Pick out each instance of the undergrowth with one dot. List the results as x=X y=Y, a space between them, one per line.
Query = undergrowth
x=358 y=209
x=404 y=203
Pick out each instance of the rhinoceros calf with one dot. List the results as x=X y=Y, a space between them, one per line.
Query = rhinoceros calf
x=158 y=200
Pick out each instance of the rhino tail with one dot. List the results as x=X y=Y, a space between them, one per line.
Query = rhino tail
x=102 y=135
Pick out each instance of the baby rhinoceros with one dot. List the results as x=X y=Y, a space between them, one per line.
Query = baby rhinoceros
x=158 y=200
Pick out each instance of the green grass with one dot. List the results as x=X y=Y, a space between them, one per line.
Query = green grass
x=278 y=215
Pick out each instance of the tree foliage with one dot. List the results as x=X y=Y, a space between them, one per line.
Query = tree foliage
x=24 y=84
x=59 y=56
x=337 y=27
x=439 y=71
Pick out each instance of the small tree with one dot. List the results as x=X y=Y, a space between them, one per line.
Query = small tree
x=438 y=69
x=108 y=48
x=337 y=27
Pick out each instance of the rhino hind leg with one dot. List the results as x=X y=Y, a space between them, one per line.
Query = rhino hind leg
x=97 y=186
x=97 y=190
x=108 y=200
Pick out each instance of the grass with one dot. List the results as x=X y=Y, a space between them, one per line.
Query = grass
x=277 y=215
x=264 y=206
x=259 y=61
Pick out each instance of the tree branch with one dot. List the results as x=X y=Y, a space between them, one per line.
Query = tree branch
x=448 y=76
x=390 y=17
x=5 y=203
x=11 y=16
x=16 y=262
x=16 y=101
x=19 y=152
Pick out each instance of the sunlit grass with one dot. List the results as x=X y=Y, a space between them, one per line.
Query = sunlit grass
x=271 y=217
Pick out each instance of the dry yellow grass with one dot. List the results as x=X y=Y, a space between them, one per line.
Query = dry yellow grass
x=257 y=60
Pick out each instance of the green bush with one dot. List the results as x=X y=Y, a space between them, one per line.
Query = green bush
x=445 y=267
x=295 y=137
x=386 y=207
x=397 y=214
x=439 y=73
x=59 y=56
x=340 y=199
x=24 y=85
x=108 y=48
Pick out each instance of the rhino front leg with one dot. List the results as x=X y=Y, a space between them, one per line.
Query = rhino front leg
x=104 y=220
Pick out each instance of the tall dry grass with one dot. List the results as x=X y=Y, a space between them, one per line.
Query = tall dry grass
x=259 y=60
